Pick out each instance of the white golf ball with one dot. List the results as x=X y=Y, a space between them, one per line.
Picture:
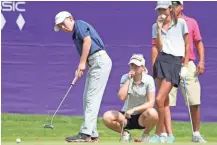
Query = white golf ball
x=18 y=140
x=163 y=16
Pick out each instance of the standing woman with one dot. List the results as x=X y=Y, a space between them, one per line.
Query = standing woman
x=170 y=37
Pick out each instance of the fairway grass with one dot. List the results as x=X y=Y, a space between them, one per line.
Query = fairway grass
x=100 y=143
x=30 y=129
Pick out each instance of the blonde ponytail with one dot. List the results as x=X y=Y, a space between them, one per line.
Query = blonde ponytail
x=145 y=70
x=173 y=15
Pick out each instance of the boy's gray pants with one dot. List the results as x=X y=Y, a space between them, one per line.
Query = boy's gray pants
x=100 y=66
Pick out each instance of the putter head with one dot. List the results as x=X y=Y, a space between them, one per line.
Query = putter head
x=48 y=126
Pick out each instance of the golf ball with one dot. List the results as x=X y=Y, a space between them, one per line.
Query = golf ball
x=163 y=16
x=18 y=140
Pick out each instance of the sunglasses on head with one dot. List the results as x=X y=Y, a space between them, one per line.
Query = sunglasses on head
x=140 y=58
x=176 y=3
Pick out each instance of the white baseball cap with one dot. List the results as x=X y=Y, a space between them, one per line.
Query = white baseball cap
x=59 y=18
x=137 y=59
x=163 y=4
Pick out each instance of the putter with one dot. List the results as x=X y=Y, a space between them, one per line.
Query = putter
x=186 y=94
x=122 y=127
x=51 y=123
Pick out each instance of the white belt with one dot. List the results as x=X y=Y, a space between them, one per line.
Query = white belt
x=99 y=53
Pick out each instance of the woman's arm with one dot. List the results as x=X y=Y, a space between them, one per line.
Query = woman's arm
x=159 y=43
x=123 y=91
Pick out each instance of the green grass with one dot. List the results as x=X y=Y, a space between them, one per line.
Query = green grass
x=30 y=129
x=109 y=143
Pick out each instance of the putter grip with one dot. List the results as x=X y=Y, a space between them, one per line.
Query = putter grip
x=74 y=81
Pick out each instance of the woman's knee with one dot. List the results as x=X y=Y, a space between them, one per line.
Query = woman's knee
x=163 y=93
x=110 y=116
x=152 y=114
x=107 y=116
x=160 y=102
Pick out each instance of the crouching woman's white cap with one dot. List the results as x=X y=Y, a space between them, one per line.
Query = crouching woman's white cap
x=138 y=60
x=59 y=18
